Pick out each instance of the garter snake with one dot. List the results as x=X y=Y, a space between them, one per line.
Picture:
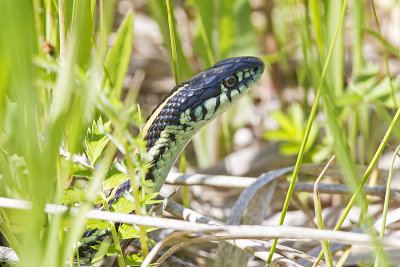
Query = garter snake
x=187 y=108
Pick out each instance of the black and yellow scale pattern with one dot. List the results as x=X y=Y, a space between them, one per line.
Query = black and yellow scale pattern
x=188 y=107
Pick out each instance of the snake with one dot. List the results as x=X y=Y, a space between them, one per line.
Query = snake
x=188 y=107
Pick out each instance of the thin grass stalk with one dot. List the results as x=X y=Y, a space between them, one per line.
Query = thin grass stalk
x=38 y=20
x=132 y=173
x=135 y=191
x=308 y=128
x=335 y=73
x=48 y=9
x=316 y=22
x=100 y=58
x=358 y=9
x=392 y=49
x=384 y=56
x=185 y=192
x=120 y=255
x=206 y=41
x=342 y=259
x=77 y=257
x=63 y=27
x=379 y=255
x=173 y=44
x=176 y=75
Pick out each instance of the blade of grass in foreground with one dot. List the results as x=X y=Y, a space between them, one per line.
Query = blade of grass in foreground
x=308 y=128
x=380 y=257
x=18 y=50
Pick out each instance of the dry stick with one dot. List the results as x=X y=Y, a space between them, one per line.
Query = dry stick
x=226 y=181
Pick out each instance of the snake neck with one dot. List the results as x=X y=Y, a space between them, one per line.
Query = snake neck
x=165 y=150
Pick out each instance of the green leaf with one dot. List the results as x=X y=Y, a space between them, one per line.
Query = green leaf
x=73 y=196
x=123 y=205
x=115 y=180
x=97 y=224
x=291 y=130
x=127 y=231
x=96 y=141
x=134 y=260
x=118 y=57
x=150 y=198
x=78 y=169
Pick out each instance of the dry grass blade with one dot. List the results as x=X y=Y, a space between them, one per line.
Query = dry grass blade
x=254 y=201
x=318 y=214
x=250 y=246
x=156 y=249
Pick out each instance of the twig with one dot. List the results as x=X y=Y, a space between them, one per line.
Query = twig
x=225 y=181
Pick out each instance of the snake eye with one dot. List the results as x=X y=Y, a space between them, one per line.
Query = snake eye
x=231 y=81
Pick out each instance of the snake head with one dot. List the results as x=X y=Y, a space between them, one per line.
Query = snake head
x=214 y=90
x=200 y=99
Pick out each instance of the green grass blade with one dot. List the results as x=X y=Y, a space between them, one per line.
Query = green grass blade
x=358 y=9
x=308 y=127
x=173 y=43
x=158 y=10
x=394 y=50
x=82 y=19
x=118 y=57
x=317 y=24
x=384 y=56
x=335 y=73
x=106 y=17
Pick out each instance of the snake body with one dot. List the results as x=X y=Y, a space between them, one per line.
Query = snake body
x=187 y=108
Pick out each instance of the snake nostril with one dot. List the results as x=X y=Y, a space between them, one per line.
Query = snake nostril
x=256 y=68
